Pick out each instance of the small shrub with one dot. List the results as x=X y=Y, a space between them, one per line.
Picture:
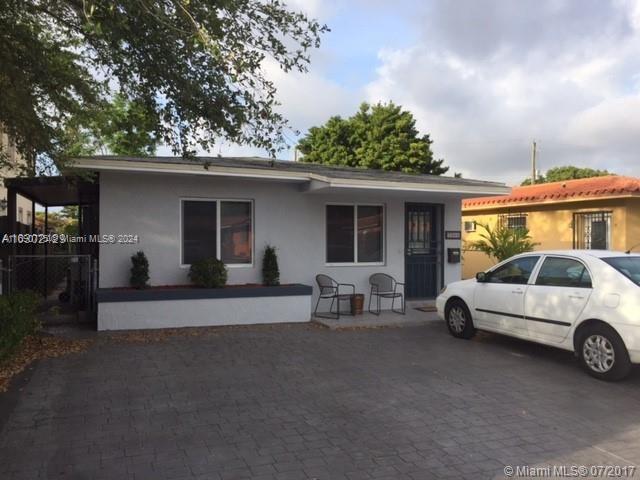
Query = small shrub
x=208 y=273
x=139 y=270
x=270 y=270
x=17 y=320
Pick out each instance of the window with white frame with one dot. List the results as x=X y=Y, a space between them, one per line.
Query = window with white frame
x=217 y=228
x=355 y=234
x=470 y=226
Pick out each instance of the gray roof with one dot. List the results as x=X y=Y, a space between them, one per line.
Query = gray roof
x=330 y=171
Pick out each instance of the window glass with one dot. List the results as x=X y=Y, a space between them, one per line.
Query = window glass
x=592 y=230
x=628 y=266
x=514 y=221
x=235 y=232
x=563 y=272
x=516 y=271
x=198 y=231
x=369 y=233
x=340 y=234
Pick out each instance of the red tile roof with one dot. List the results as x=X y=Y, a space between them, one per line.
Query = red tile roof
x=581 y=189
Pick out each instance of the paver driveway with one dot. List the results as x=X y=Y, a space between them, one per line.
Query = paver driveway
x=297 y=402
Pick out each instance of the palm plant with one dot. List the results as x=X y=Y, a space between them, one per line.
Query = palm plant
x=502 y=242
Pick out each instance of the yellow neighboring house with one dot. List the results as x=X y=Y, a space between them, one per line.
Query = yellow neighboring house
x=590 y=213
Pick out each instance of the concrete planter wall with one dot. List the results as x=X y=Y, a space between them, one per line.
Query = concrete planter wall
x=120 y=309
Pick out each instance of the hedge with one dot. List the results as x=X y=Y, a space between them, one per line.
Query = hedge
x=17 y=320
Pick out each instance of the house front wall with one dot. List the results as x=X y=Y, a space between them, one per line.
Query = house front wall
x=551 y=226
x=148 y=205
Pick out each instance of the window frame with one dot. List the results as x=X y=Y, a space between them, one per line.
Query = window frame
x=532 y=276
x=473 y=227
x=504 y=218
x=355 y=263
x=218 y=223
x=568 y=257
x=579 y=237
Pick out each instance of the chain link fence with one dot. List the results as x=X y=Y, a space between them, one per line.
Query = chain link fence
x=66 y=282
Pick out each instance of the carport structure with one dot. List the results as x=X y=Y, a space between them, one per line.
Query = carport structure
x=63 y=271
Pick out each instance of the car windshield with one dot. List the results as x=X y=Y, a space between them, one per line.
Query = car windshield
x=628 y=266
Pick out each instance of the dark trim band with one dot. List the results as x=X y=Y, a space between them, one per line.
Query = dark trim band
x=546 y=320
x=500 y=313
x=151 y=294
x=534 y=319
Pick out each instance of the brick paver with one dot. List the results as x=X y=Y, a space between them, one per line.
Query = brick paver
x=300 y=402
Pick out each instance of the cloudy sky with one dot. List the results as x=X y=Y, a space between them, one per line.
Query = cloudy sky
x=483 y=77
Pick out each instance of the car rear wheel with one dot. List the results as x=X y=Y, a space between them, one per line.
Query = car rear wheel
x=603 y=354
x=459 y=321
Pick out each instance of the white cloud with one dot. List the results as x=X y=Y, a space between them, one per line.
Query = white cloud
x=486 y=78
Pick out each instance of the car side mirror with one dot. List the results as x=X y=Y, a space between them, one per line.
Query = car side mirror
x=481 y=277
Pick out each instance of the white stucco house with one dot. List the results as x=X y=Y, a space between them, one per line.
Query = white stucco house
x=344 y=222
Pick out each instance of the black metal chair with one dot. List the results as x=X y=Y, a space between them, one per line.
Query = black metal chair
x=385 y=286
x=330 y=289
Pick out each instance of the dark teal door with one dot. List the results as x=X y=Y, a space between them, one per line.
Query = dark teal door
x=423 y=252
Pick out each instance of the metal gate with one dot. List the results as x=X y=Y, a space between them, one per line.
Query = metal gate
x=423 y=250
x=67 y=283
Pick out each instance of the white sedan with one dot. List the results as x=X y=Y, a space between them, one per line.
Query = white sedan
x=586 y=301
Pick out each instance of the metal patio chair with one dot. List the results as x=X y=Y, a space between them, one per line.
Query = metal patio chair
x=385 y=286
x=330 y=289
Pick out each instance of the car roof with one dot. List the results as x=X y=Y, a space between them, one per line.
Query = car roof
x=585 y=253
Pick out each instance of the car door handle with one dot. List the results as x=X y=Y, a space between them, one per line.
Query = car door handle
x=519 y=292
x=577 y=297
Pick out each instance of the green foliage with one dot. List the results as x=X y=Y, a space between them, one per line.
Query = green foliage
x=122 y=127
x=17 y=320
x=61 y=222
x=382 y=136
x=139 y=270
x=270 y=270
x=560 y=174
x=194 y=71
x=208 y=273
x=502 y=242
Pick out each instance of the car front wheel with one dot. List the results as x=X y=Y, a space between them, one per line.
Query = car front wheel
x=459 y=321
x=603 y=354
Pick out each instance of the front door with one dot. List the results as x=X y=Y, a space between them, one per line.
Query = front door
x=423 y=249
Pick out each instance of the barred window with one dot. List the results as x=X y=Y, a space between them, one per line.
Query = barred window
x=513 y=221
x=592 y=230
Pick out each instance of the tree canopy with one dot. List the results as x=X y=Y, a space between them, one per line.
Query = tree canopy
x=569 y=172
x=123 y=127
x=195 y=69
x=380 y=136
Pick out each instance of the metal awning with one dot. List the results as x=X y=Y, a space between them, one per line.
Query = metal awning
x=57 y=191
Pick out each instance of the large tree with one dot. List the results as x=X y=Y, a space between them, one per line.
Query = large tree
x=122 y=128
x=380 y=136
x=569 y=172
x=194 y=67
